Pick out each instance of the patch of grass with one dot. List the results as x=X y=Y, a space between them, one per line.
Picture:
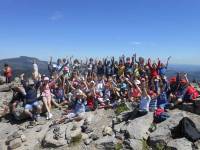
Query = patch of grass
x=145 y=146
x=160 y=146
x=75 y=140
x=121 y=108
x=118 y=146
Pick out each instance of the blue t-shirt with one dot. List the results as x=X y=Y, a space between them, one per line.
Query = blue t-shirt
x=80 y=106
x=162 y=99
x=162 y=71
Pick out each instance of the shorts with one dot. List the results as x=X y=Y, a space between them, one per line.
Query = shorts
x=71 y=115
x=32 y=105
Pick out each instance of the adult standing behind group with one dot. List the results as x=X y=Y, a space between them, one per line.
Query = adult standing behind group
x=8 y=73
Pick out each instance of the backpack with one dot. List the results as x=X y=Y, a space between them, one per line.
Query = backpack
x=160 y=115
x=186 y=128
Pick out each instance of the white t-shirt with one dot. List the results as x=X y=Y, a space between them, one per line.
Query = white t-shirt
x=144 y=103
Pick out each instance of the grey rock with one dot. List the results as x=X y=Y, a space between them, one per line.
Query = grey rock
x=15 y=143
x=106 y=142
x=5 y=87
x=119 y=127
x=94 y=137
x=138 y=128
x=107 y=131
x=187 y=107
x=197 y=106
x=23 y=138
x=180 y=144
x=85 y=136
x=87 y=141
x=119 y=136
x=12 y=137
x=2 y=80
x=49 y=140
x=133 y=144
x=68 y=131
x=75 y=133
x=38 y=129
x=162 y=135
x=197 y=144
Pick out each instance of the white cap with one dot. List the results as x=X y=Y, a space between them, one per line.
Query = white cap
x=46 y=78
x=137 y=82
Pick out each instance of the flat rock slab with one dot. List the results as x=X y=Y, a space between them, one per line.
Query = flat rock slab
x=138 y=128
x=180 y=144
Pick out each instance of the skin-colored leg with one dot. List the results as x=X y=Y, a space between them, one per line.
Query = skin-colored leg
x=46 y=104
x=55 y=104
x=38 y=109
x=28 y=113
x=14 y=105
x=49 y=103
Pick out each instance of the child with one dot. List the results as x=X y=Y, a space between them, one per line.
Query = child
x=46 y=96
x=153 y=103
x=144 y=101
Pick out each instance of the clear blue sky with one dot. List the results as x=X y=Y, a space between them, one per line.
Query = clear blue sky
x=155 y=28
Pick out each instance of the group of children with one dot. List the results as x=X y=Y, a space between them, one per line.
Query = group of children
x=95 y=84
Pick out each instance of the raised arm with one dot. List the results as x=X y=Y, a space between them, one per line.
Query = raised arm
x=135 y=55
x=149 y=63
x=186 y=78
x=50 y=60
x=159 y=63
x=129 y=82
x=168 y=61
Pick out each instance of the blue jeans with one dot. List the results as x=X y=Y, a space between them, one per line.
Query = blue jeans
x=31 y=106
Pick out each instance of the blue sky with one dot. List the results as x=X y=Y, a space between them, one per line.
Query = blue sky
x=152 y=28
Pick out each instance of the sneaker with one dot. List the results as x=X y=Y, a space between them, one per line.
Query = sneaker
x=50 y=115
x=47 y=116
x=37 y=117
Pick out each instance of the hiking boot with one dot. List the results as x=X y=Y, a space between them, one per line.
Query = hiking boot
x=47 y=116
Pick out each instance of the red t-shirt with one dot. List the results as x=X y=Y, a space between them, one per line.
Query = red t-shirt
x=8 y=72
x=90 y=102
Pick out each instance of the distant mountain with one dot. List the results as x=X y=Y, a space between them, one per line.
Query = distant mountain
x=193 y=71
x=24 y=64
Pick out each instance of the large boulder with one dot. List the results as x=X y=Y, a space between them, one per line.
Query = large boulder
x=5 y=88
x=138 y=128
x=197 y=106
x=55 y=137
x=162 y=135
x=180 y=144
